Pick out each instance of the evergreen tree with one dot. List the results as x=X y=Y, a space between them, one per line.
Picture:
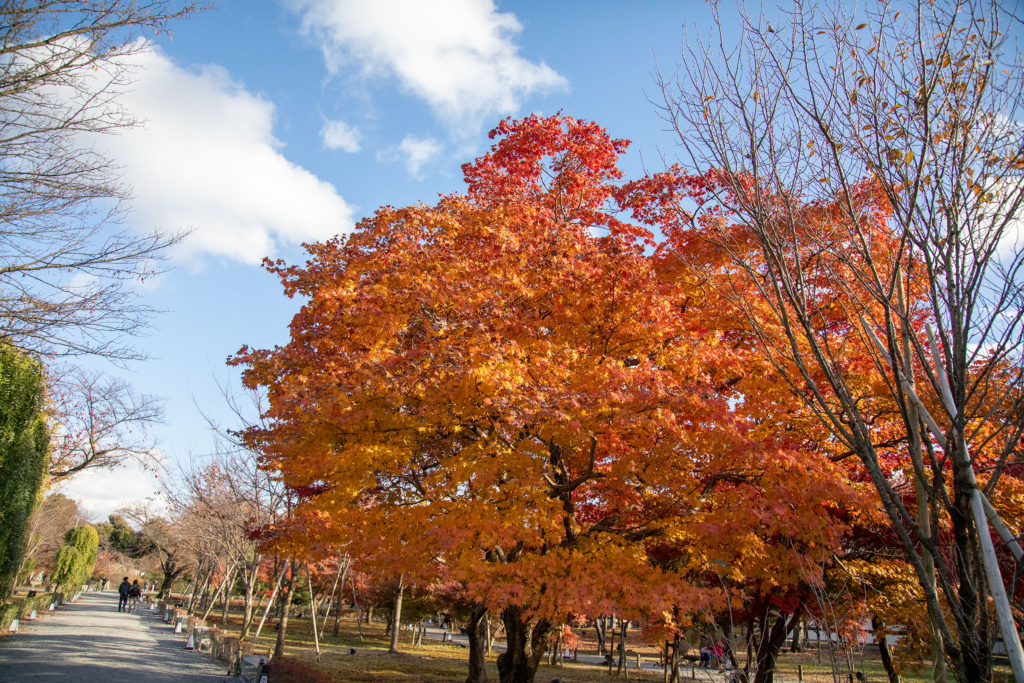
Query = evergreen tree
x=24 y=451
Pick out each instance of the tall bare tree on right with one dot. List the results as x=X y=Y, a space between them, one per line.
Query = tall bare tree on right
x=861 y=172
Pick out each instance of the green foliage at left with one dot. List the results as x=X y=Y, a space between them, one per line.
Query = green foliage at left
x=24 y=452
x=76 y=559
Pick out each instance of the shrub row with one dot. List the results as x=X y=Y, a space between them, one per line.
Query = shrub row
x=22 y=607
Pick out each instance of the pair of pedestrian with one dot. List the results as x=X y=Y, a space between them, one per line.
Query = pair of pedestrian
x=129 y=594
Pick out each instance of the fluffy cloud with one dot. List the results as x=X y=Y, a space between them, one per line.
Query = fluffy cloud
x=207 y=159
x=103 y=491
x=457 y=55
x=340 y=135
x=418 y=152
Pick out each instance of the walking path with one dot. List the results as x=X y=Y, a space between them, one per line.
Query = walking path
x=89 y=641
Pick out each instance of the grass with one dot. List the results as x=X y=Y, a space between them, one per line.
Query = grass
x=435 y=661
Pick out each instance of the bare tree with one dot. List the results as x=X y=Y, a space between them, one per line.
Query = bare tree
x=165 y=539
x=99 y=421
x=862 y=175
x=67 y=263
x=54 y=516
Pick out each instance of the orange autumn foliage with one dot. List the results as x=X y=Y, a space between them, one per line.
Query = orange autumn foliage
x=508 y=384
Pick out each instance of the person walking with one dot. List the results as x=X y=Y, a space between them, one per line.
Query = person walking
x=133 y=596
x=122 y=591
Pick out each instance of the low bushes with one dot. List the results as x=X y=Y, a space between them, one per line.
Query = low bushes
x=22 y=607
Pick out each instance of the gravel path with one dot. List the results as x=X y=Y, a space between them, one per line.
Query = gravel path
x=89 y=641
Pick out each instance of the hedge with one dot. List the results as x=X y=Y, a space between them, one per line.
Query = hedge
x=19 y=609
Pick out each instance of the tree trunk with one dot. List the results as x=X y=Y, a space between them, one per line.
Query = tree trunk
x=771 y=643
x=794 y=645
x=396 y=616
x=355 y=601
x=247 y=606
x=490 y=634
x=286 y=607
x=622 y=650
x=216 y=593
x=600 y=626
x=341 y=596
x=254 y=610
x=477 y=631
x=171 y=574
x=200 y=589
x=884 y=651
x=227 y=602
x=525 y=640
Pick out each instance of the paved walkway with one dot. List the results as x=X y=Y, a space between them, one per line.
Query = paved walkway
x=89 y=641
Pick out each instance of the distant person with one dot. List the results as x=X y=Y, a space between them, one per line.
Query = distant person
x=123 y=590
x=134 y=593
x=105 y=584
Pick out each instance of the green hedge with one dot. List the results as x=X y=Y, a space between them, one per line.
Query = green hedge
x=21 y=608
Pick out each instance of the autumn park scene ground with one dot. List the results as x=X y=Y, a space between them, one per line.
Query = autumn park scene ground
x=750 y=413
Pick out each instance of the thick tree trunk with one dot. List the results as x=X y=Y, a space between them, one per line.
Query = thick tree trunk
x=171 y=574
x=476 y=630
x=525 y=646
x=396 y=616
x=286 y=607
x=974 y=664
x=600 y=625
x=771 y=643
x=884 y=652
x=622 y=650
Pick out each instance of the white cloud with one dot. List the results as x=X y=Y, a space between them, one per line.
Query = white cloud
x=457 y=55
x=102 y=491
x=207 y=159
x=417 y=153
x=340 y=135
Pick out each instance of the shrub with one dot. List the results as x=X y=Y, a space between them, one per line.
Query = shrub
x=284 y=670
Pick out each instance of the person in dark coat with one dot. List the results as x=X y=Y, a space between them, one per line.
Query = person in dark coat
x=123 y=591
x=134 y=593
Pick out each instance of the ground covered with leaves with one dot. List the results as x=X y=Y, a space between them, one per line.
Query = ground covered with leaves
x=436 y=661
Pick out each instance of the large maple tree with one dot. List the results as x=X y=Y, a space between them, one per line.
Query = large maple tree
x=506 y=383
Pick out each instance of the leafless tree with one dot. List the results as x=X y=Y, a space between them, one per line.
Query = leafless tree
x=817 y=127
x=54 y=516
x=99 y=421
x=67 y=262
x=226 y=497
x=165 y=539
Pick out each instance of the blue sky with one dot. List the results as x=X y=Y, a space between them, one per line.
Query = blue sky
x=270 y=123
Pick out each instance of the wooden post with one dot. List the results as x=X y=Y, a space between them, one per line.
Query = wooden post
x=270 y=603
x=1014 y=651
x=316 y=637
x=800 y=673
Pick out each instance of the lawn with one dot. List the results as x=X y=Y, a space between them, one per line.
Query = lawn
x=435 y=661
